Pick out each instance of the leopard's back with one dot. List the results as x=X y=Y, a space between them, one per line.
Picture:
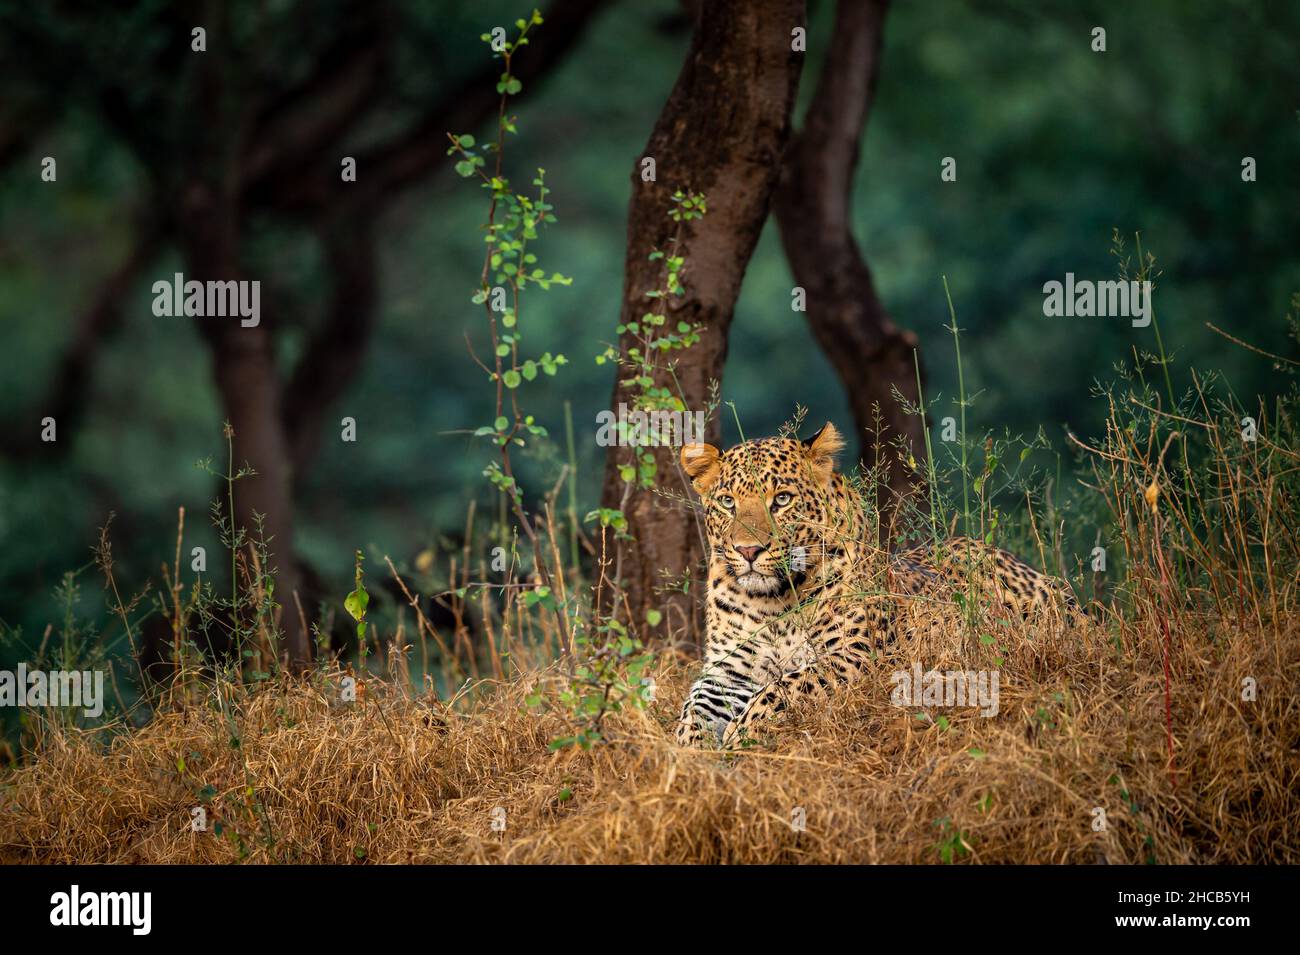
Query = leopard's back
x=1003 y=581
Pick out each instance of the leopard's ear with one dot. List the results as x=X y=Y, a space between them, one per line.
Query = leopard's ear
x=700 y=461
x=821 y=449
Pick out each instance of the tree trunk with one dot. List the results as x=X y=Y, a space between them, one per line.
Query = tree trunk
x=721 y=133
x=871 y=355
x=245 y=373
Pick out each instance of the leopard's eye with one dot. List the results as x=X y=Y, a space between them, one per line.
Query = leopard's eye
x=782 y=499
x=726 y=500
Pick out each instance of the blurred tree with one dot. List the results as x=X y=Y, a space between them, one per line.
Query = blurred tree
x=1057 y=144
x=254 y=123
x=720 y=134
x=871 y=355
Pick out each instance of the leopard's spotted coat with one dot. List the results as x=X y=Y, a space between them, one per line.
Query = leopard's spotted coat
x=797 y=602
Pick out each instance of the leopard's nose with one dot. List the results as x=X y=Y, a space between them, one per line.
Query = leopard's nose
x=749 y=551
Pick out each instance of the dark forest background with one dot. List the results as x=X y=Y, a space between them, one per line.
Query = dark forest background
x=1056 y=147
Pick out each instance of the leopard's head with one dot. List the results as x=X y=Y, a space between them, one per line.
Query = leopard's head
x=774 y=508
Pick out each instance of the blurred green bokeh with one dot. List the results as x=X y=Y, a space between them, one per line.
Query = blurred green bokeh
x=1055 y=146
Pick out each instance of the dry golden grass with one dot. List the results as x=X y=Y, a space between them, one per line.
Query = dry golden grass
x=1208 y=602
x=393 y=779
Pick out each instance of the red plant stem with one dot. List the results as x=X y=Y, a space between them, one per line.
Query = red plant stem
x=1167 y=650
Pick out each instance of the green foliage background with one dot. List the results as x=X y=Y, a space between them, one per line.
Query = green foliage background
x=1055 y=146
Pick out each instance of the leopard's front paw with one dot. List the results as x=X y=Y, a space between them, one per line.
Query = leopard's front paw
x=689 y=733
x=736 y=733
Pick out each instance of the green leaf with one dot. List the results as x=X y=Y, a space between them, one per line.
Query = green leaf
x=511 y=379
x=355 y=604
x=653 y=617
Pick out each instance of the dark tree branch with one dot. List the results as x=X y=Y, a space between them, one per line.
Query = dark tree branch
x=386 y=169
x=870 y=354
x=22 y=125
x=68 y=393
x=334 y=354
x=296 y=129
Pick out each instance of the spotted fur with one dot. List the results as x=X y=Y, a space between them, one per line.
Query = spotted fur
x=797 y=602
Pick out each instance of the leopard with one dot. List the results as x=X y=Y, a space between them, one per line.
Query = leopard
x=802 y=600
